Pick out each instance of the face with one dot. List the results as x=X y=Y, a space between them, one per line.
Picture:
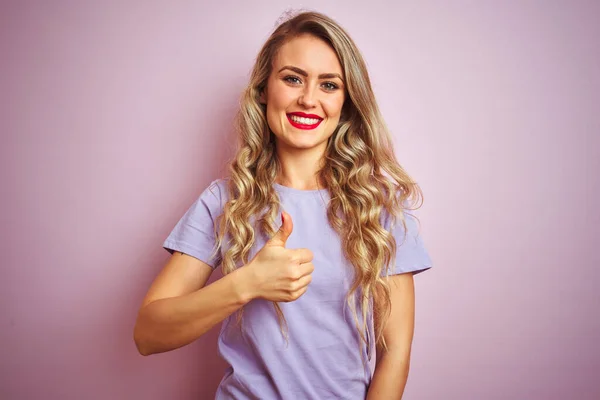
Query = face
x=304 y=94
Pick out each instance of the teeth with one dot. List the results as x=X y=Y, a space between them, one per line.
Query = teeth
x=304 y=121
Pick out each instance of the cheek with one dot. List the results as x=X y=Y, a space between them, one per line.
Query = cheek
x=276 y=106
x=273 y=119
x=279 y=95
x=333 y=107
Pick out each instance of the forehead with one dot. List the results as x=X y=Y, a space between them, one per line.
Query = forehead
x=309 y=53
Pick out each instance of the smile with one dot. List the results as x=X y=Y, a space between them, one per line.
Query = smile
x=304 y=121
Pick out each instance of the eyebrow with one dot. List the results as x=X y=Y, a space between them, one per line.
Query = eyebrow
x=305 y=74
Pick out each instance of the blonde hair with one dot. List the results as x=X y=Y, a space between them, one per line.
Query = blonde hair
x=359 y=169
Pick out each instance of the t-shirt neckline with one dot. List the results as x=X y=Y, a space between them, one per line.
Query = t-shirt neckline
x=290 y=190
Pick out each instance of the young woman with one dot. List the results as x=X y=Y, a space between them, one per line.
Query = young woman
x=312 y=233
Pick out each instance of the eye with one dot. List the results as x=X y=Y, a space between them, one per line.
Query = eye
x=294 y=80
x=330 y=86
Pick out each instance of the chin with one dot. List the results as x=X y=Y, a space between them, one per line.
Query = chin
x=301 y=144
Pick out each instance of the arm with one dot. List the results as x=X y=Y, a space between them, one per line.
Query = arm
x=178 y=309
x=391 y=368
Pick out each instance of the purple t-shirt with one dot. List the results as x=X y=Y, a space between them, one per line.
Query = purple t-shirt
x=323 y=357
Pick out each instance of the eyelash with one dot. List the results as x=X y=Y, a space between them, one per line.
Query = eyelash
x=332 y=87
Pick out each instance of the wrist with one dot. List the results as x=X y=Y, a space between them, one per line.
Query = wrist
x=243 y=284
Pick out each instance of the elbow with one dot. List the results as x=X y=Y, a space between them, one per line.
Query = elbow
x=142 y=348
x=140 y=344
x=141 y=340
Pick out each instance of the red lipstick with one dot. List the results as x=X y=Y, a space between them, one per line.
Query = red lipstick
x=304 y=126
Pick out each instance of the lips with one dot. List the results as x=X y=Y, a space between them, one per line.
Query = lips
x=301 y=120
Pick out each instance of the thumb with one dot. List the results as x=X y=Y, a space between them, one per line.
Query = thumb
x=284 y=232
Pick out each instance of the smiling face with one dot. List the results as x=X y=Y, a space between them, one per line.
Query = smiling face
x=304 y=94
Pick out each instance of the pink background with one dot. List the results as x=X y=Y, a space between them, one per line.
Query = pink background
x=115 y=115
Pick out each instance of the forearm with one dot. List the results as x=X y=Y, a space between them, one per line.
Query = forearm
x=390 y=376
x=168 y=324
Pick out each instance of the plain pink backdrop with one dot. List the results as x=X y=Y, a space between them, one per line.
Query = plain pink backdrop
x=116 y=114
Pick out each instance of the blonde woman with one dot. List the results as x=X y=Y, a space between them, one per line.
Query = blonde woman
x=311 y=230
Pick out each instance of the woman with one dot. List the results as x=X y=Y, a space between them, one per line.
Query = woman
x=303 y=301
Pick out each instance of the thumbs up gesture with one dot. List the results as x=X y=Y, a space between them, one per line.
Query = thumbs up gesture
x=278 y=273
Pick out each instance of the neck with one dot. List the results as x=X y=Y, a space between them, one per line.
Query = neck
x=299 y=168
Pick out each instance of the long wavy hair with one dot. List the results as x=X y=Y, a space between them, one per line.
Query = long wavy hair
x=359 y=169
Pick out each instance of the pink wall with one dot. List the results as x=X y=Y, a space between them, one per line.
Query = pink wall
x=116 y=114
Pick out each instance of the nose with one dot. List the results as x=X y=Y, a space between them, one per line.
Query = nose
x=307 y=98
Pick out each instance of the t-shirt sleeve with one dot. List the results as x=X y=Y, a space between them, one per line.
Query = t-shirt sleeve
x=411 y=254
x=194 y=233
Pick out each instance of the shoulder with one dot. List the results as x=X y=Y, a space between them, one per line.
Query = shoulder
x=214 y=196
x=218 y=188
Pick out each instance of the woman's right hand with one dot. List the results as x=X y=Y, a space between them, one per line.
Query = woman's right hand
x=280 y=274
